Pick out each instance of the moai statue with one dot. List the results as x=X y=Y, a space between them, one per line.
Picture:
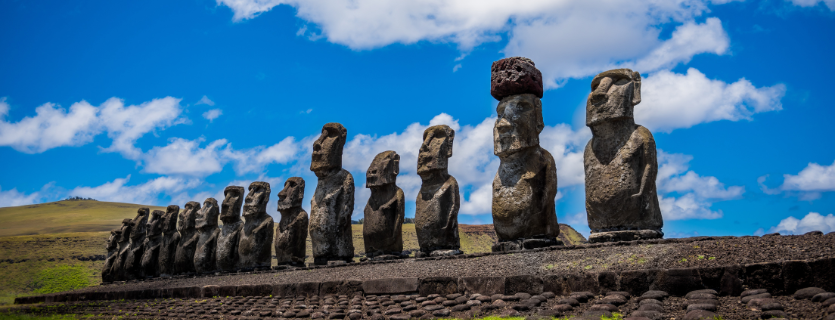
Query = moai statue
x=153 y=241
x=333 y=201
x=133 y=263
x=230 y=233
x=184 y=258
x=118 y=269
x=525 y=185
x=112 y=254
x=436 y=208
x=291 y=236
x=620 y=163
x=207 y=230
x=170 y=241
x=254 y=246
x=382 y=229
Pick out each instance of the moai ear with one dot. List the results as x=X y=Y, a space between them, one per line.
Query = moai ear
x=396 y=164
x=636 y=94
x=450 y=138
x=540 y=124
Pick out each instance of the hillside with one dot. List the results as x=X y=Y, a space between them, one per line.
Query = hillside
x=65 y=216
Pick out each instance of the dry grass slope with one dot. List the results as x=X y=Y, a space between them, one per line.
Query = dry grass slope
x=66 y=216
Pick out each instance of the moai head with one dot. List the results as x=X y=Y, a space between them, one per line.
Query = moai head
x=292 y=194
x=113 y=241
x=169 y=223
x=436 y=149
x=140 y=224
x=207 y=216
x=189 y=216
x=383 y=170
x=256 y=199
x=327 y=150
x=517 y=84
x=613 y=96
x=230 y=211
x=127 y=226
x=155 y=223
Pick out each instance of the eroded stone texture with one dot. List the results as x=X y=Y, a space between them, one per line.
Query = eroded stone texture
x=525 y=185
x=620 y=162
x=291 y=236
x=436 y=208
x=133 y=262
x=230 y=233
x=184 y=258
x=254 y=246
x=153 y=241
x=333 y=201
x=118 y=270
x=207 y=230
x=382 y=229
x=514 y=75
x=170 y=240
x=112 y=253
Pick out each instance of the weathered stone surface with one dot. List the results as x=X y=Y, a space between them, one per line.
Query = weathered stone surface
x=437 y=204
x=391 y=286
x=118 y=272
x=807 y=293
x=765 y=275
x=255 y=244
x=796 y=275
x=153 y=241
x=620 y=162
x=438 y=285
x=133 y=260
x=170 y=240
x=333 y=201
x=382 y=228
x=515 y=75
x=678 y=282
x=226 y=255
x=482 y=285
x=291 y=235
x=525 y=185
x=184 y=258
x=112 y=254
x=523 y=283
x=206 y=223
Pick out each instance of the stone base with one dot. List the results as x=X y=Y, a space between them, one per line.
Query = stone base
x=441 y=253
x=525 y=244
x=323 y=261
x=625 y=235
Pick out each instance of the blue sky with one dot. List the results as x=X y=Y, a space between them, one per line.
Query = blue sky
x=162 y=102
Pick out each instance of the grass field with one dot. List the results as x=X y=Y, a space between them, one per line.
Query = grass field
x=66 y=216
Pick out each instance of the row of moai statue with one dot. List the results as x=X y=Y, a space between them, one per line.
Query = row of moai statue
x=621 y=200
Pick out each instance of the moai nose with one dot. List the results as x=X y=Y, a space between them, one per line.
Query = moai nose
x=503 y=125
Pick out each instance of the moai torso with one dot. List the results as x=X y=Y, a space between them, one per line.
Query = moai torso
x=170 y=240
x=207 y=230
x=254 y=246
x=620 y=162
x=133 y=263
x=333 y=201
x=291 y=235
x=230 y=233
x=437 y=204
x=112 y=254
x=382 y=228
x=184 y=258
x=153 y=240
x=118 y=270
x=526 y=183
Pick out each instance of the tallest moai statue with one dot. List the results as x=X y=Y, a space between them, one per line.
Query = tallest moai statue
x=526 y=184
x=620 y=162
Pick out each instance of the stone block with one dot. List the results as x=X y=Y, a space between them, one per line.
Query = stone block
x=523 y=283
x=391 y=286
x=264 y=290
x=482 y=285
x=307 y=289
x=731 y=282
x=583 y=282
x=823 y=273
x=678 y=282
x=796 y=275
x=209 y=291
x=556 y=284
x=608 y=281
x=285 y=290
x=438 y=285
x=712 y=277
x=765 y=276
x=347 y=287
x=226 y=291
x=246 y=290
x=636 y=282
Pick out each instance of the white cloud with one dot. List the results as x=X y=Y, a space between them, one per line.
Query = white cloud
x=145 y=193
x=812 y=3
x=13 y=198
x=671 y=101
x=813 y=178
x=697 y=193
x=211 y=115
x=811 y=222
x=255 y=159
x=127 y=124
x=687 y=41
x=185 y=157
x=205 y=100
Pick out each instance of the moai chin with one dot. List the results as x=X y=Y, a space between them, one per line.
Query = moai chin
x=291 y=236
x=382 y=229
x=153 y=241
x=620 y=163
x=333 y=201
x=254 y=246
x=133 y=263
x=118 y=269
x=112 y=253
x=184 y=258
x=436 y=208
x=170 y=241
x=207 y=230
x=525 y=185
x=230 y=233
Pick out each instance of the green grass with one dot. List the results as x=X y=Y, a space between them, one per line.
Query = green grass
x=66 y=216
x=60 y=278
x=31 y=317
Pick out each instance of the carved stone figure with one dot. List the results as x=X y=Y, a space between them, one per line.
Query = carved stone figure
x=333 y=201
x=207 y=230
x=112 y=254
x=118 y=271
x=184 y=258
x=133 y=262
x=254 y=246
x=170 y=241
x=525 y=185
x=230 y=233
x=291 y=236
x=382 y=229
x=436 y=208
x=620 y=163
x=153 y=241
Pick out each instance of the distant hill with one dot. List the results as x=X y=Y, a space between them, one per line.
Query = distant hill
x=66 y=216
